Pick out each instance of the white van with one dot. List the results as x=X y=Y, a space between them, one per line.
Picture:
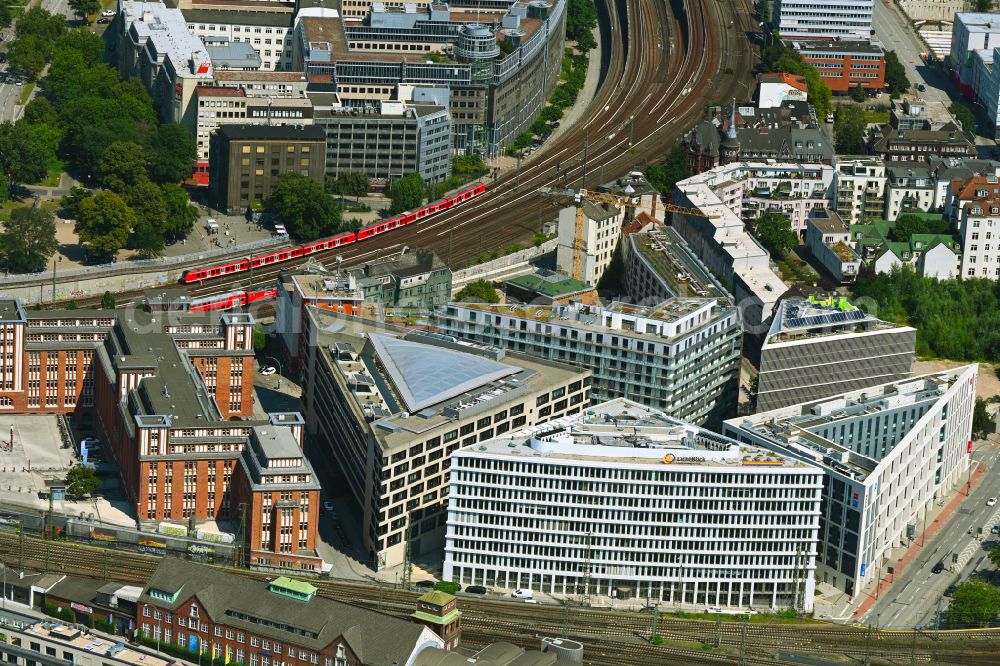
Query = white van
x=523 y=594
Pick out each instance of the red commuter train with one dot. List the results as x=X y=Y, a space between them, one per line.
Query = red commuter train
x=230 y=300
x=264 y=260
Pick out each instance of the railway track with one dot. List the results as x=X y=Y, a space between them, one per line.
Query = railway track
x=602 y=632
x=668 y=61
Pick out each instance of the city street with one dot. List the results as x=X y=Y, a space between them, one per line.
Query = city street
x=895 y=34
x=913 y=598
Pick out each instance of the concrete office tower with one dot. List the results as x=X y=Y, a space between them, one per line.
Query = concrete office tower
x=386 y=408
x=888 y=452
x=623 y=501
x=824 y=19
x=681 y=356
x=818 y=349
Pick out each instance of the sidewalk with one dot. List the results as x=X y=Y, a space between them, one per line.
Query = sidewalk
x=917 y=546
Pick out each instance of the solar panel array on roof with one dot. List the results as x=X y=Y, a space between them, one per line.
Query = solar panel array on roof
x=830 y=318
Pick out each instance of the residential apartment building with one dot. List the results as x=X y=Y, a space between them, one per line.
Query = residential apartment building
x=266 y=27
x=635 y=505
x=601 y=230
x=931 y=255
x=909 y=187
x=233 y=618
x=249 y=159
x=917 y=145
x=414 y=277
x=681 y=357
x=659 y=265
x=816 y=349
x=860 y=188
x=718 y=236
x=386 y=409
x=979 y=230
x=823 y=19
x=845 y=65
x=828 y=237
x=388 y=139
x=887 y=451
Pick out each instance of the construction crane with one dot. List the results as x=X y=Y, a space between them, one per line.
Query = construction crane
x=608 y=199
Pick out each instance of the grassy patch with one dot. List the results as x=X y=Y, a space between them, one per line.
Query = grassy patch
x=879 y=117
x=26 y=93
x=55 y=169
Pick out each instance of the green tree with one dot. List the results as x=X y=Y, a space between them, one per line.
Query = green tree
x=858 y=93
x=83 y=43
x=6 y=15
x=85 y=7
x=983 y=6
x=122 y=166
x=40 y=111
x=29 y=239
x=40 y=23
x=306 y=209
x=146 y=201
x=171 y=153
x=27 y=56
x=664 y=176
x=895 y=75
x=981 y=421
x=108 y=301
x=181 y=215
x=478 y=291
x=965 y=116
x=82 y=481
x=780 y=58
x=908 y=224
x=973 y=604
x=104 y=223
x=22 y=158
x=406 y=193
x=71 y=202
x=581 y=19
x=849 y=128
x=762 y=10
x=774 y=231
x=348 y=184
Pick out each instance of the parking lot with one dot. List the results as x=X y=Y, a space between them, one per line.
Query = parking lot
x=38 y=453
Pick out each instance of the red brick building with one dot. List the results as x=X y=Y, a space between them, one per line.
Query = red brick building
x=276 y=623
x=845 y=65
x=171 y=393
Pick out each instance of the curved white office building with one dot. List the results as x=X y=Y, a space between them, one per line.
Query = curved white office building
x=624 y=501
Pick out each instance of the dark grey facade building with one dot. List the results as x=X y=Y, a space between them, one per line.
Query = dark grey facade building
x=247 y=160
x=817 y=349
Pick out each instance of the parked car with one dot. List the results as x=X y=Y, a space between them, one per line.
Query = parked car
x=991 y=501
x=921 y=87
x=995 y=529
x=938 y=568
x=476 y=589
x=267 y=370
x=108 y=12
x=523 y=594
x=91 y=443
x=104 y=20
x=426 y=584
x=950 y=590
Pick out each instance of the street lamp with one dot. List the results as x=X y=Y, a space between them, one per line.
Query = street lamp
x=278 y=363
x=55 y=262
